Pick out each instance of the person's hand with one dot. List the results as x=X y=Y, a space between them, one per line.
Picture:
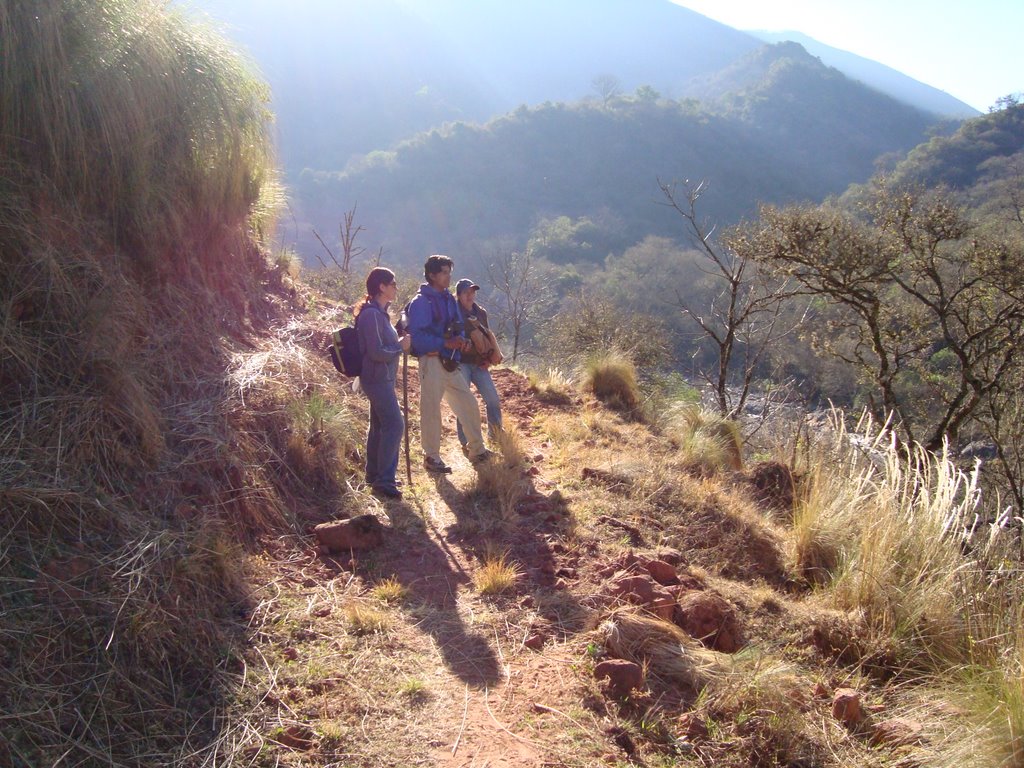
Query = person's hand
x=405 y=342
x=453 y=343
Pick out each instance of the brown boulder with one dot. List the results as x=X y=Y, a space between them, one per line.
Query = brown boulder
x=709 y=618
x=362 y=532
x=846 y=706
x=662 y=572
x=623 y=676
x=644 y=591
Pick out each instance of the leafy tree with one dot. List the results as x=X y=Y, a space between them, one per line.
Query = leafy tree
x=586 y=323
x=928 y=310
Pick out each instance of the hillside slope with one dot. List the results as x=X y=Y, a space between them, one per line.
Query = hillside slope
x=623 y=547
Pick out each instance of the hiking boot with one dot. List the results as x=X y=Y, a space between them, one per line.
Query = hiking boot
x=436 y=465
x=388 y=491
x=481 y=458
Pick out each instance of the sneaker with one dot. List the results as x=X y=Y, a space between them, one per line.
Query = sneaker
x=387 y=490
x=436 y=465
x=480 y=458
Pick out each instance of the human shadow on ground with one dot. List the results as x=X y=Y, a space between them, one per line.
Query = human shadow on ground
x=530 y=533
x=431 y=574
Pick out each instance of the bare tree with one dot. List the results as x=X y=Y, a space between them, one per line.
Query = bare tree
x=607 y=87
x=347 y=231
x=348 y=234
x=521 y=292
x=746 y=314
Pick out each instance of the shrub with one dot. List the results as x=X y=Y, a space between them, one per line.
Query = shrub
x=611 y=378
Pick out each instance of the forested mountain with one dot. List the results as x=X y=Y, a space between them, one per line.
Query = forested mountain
x=350 y=76
x=401 y=108
x=797 y=131
x=878 y=76
x=981 y=149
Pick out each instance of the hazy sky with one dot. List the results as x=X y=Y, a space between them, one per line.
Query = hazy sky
x=972 y=49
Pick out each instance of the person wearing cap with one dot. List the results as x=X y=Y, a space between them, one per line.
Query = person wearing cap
x=438 y=341
x=476 y=361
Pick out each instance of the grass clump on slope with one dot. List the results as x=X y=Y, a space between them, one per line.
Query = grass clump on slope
x=133 y=183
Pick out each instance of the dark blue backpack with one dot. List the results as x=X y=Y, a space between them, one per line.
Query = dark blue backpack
x=345 y=352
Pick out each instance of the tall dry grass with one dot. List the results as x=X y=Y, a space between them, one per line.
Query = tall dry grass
x=134 y=165
x=905 y=539
x=136 y=115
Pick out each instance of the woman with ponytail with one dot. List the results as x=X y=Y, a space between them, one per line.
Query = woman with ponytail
x=381 y=346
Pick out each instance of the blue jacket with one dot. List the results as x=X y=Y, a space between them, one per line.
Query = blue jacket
x=429 y=314
x=378 y=341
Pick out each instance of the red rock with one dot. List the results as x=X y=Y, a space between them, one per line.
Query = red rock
x=644 y=591
x=623 y=676
x=709 y=618
x=692 y=727
x=362 y=532
x=662 y=572
x=846 y=706
x=535 y=642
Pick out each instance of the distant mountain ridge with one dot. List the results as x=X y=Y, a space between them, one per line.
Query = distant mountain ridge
x=878 y=76
x=794 y=131
x=386 y=104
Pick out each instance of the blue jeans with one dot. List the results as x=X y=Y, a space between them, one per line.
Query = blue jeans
x=481 y=377
x=384 y=437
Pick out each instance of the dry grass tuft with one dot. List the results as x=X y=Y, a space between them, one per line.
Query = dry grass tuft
x=365 y=620
x=553 y=386
x=391 y=590
x=496 y=574
x=503 y=478
x=667 y=652
x=611 y=378
x=706 y=440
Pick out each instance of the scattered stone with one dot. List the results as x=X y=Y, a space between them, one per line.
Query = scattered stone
x=692 y=727
x=644 y=591
x=296 y=737
x=709 y=618
x=898 y=732
x=322 y=611
x=290 y=653
x=623 y=676
x=821 y=691
x=662 y=572
x=535 y=641
x=846 y=706
x=362 y=532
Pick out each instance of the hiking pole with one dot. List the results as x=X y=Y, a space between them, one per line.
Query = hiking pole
x=405 y=407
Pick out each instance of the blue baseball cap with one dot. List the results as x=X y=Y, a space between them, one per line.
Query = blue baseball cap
x=465 y=284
